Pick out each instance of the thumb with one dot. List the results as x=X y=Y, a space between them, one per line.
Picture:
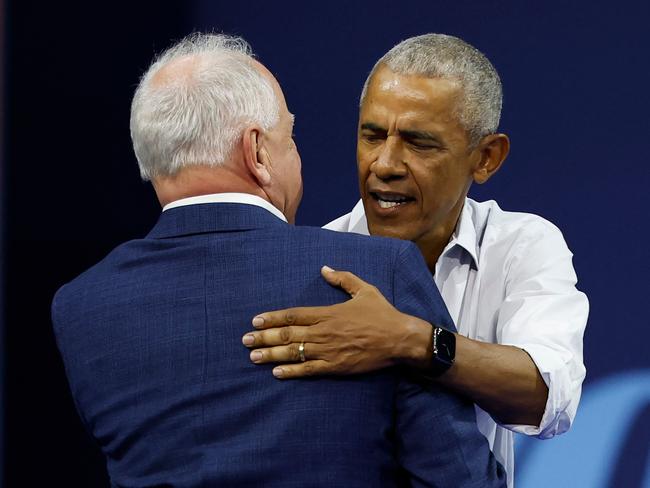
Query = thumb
x=349 y=282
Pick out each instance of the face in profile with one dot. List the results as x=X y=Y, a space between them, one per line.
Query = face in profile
x=414 y=160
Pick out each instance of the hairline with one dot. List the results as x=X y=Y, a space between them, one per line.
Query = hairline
x=459 y=103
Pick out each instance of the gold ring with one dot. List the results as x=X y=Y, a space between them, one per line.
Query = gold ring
x=301 y=351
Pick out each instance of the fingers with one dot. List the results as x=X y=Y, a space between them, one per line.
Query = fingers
x=281 y=336
x=279 y=354
x=351 y=283
x=308 y=368
x=289 y=316
x=288 y=353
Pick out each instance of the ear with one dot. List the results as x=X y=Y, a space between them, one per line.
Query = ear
x=493 y=151
x=256 y=157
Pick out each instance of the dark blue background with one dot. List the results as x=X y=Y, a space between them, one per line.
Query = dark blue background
x=576 y=107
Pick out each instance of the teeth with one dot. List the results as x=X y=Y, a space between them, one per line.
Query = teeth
x=390 y=201
x=385 y=204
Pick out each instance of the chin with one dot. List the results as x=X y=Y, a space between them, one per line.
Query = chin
x=396 y=232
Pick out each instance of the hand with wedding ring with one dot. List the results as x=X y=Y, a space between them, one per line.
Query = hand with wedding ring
x=363 y=334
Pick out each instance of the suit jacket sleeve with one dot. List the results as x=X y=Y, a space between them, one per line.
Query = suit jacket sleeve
x=58 y=314
x=438 y=441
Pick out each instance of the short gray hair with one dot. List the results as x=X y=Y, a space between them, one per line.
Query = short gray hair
x=444 y=56
x=196 y=118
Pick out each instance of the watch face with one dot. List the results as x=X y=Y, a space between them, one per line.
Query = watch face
x=445 y=351
x=444 y=346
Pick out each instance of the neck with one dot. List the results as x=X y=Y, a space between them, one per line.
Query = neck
x=432 y=249
x=433 y=243
x=195 y=181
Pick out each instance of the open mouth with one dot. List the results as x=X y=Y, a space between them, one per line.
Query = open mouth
x=390 y=200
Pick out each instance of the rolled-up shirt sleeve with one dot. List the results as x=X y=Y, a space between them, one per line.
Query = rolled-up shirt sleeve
x=544 y=314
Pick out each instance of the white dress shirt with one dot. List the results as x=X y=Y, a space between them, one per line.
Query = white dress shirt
x=245 y=198
x=508 y=278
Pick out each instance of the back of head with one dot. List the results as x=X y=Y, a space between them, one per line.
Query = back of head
x=444 y=56
x=194 y=101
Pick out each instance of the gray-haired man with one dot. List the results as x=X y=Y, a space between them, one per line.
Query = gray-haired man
x=427 y=130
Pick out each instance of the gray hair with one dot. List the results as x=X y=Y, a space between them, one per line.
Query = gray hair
x=195 y=117
x=444 y=56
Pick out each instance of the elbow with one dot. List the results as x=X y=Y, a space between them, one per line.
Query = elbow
x=529 y=409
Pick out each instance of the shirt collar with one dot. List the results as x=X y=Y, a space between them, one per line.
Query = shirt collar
x=245 y=198
x=464 y=235
x=358 y=221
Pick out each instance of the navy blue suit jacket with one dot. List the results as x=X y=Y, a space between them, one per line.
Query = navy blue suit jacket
x=151 y=342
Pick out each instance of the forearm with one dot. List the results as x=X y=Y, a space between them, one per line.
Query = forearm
x=502 y=380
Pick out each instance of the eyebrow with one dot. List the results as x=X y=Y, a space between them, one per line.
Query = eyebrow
x=407 y=134
x=417 y=134
x=372 y=127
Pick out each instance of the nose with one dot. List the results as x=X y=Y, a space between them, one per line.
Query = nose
x=389 y=163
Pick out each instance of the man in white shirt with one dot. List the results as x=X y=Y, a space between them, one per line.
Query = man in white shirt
x=427 y=130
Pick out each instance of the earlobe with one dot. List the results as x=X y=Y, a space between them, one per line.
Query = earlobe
x=493 y=149
x=263 y=166
x=481 y=175
x=256 y=156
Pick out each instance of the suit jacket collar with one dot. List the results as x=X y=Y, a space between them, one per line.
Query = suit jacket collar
x=212 y=217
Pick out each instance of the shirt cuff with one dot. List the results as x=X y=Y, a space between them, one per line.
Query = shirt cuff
x=560 y=410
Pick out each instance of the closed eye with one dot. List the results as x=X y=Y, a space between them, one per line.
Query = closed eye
x=373 y=137
x=371 y=132
x=423 y=146
x=420 y=139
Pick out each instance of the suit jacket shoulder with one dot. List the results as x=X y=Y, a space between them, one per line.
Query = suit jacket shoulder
x=151 y=342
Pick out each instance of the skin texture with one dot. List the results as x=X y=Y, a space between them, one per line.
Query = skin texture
x=412 y=146
x=279 y=156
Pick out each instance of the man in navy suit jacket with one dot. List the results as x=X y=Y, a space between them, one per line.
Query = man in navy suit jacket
x=151 y=336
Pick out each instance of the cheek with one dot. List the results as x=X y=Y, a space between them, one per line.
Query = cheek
x=295 y=157
x=297 y=167
x=431 y=172
x=427 y=182
x=363 y=164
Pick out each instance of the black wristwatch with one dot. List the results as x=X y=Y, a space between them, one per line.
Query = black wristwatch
x=443 y=351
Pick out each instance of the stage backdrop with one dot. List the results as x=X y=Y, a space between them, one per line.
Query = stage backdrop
x=575 y=77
